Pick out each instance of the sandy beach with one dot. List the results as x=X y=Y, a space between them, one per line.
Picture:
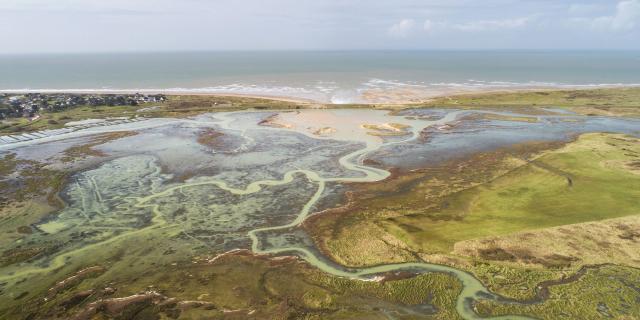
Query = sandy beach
x=394 y=96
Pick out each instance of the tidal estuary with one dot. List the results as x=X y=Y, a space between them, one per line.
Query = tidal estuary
x=248 y=180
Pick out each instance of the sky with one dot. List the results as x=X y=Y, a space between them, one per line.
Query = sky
x=43 y=26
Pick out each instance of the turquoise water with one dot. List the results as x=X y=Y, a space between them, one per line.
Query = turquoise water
x=328 y=76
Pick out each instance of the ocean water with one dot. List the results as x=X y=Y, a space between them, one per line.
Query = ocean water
x=331 y=76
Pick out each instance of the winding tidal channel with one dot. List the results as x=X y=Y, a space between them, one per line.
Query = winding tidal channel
x=472 y=288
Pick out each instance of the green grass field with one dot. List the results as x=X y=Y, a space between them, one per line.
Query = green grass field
x=608 y=97
x=591 y=179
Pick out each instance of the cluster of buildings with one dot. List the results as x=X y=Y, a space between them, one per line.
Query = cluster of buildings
x=30 y=104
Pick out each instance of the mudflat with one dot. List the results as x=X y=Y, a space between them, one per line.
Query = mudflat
x=228 y=207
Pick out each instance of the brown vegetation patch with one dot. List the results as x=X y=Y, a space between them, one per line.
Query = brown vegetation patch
x=130 y=306
x=74 y=279
x=209 y=138
x=394 y=276
x=324 y=131
x=24 y=180
x=628 y=232
x=633 y=166
x=194 y=104
x=499 y=117
x=87 y=150
x=17 y=255
x=525 y=256
x=497 y=254
x=25 y=230
x=565 y=246
x=387 y=129
x=272 y=121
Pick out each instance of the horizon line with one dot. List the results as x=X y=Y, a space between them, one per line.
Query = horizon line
x=314 y=50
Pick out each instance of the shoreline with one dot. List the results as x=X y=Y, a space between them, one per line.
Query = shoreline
x=173 y=93
x=390 y=97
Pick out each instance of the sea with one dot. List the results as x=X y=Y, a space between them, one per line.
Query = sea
x=326 y=76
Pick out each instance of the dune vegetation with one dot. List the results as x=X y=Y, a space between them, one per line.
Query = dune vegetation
x=605 y=101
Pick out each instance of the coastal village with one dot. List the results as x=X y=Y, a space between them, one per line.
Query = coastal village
x=29 y=105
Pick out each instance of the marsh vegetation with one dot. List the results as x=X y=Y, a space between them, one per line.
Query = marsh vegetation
x=445 y=214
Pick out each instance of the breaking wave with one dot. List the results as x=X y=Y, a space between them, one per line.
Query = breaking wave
x=334 y=92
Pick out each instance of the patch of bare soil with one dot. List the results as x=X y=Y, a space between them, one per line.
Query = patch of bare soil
x=87 y=150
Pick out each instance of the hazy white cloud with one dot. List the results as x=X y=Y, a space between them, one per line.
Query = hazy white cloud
x=153 y=25
x=484 y=25
x=431 y=26
x=626 y=17
x=428 y=25
x=585 y=9
x=402 y=29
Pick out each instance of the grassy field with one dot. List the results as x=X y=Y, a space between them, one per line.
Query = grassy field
x=606 y=101
x=360 y=235
x=591 y=179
